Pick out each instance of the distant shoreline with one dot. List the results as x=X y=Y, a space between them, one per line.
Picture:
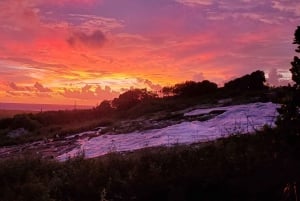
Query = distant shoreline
x=40 y=107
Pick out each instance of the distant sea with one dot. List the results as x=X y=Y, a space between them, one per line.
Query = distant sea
x=40 y=107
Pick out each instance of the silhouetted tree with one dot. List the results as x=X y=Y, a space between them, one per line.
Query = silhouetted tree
x=289 y=113
x=187 y=88
x=297 y=39
x=104 y=107
x=131 y=98
x=207 y=87
x=167 y=91
x=192 y=89
x=254 y=81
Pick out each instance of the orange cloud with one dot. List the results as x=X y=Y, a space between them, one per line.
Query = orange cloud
x=91 y=92
x=37 y=87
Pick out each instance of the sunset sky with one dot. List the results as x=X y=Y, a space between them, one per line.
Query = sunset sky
x=90 y=50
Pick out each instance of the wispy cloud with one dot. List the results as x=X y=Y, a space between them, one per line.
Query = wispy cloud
x=94 y=92
x=41 y=88
x=37 y=87
x=13 y=92
x=287 y=6
x=144 y=83
x=196 y=2
x=14 y=87
x=94 y=40
x=62 y=2
x=91 y=23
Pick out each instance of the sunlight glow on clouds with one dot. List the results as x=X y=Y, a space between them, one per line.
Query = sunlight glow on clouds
x=195 y=2
x=88 y=50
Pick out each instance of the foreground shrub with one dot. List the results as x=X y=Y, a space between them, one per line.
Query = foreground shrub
x=242 y=167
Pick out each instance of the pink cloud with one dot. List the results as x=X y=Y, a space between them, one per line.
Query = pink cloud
x=273 y=77
x=37 y=87
x=141 y=83
x=94 y=92
x=13 y=86
x=17 y=92
x=195 y=2
x=287 y=6
x=92 y=23
x=62 y=2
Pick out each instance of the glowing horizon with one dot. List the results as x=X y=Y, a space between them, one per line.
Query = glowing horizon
x=58 y=52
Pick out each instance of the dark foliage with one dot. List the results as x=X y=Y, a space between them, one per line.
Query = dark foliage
x=297 y=39
x=289 y=113
x=191 y=89
x=131 y=98
x=105 y=107
x=26 y=121
x=254 y=81
x=248 y=167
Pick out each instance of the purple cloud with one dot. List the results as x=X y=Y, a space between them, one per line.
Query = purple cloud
x=94 y=40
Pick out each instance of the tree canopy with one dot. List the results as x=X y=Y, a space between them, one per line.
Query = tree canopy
x=297 y=38
x=289 y=113
x=253 y=81
x=191 y=88
x=131 y=98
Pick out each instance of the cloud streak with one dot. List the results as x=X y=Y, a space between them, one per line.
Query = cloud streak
x=196 y=2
